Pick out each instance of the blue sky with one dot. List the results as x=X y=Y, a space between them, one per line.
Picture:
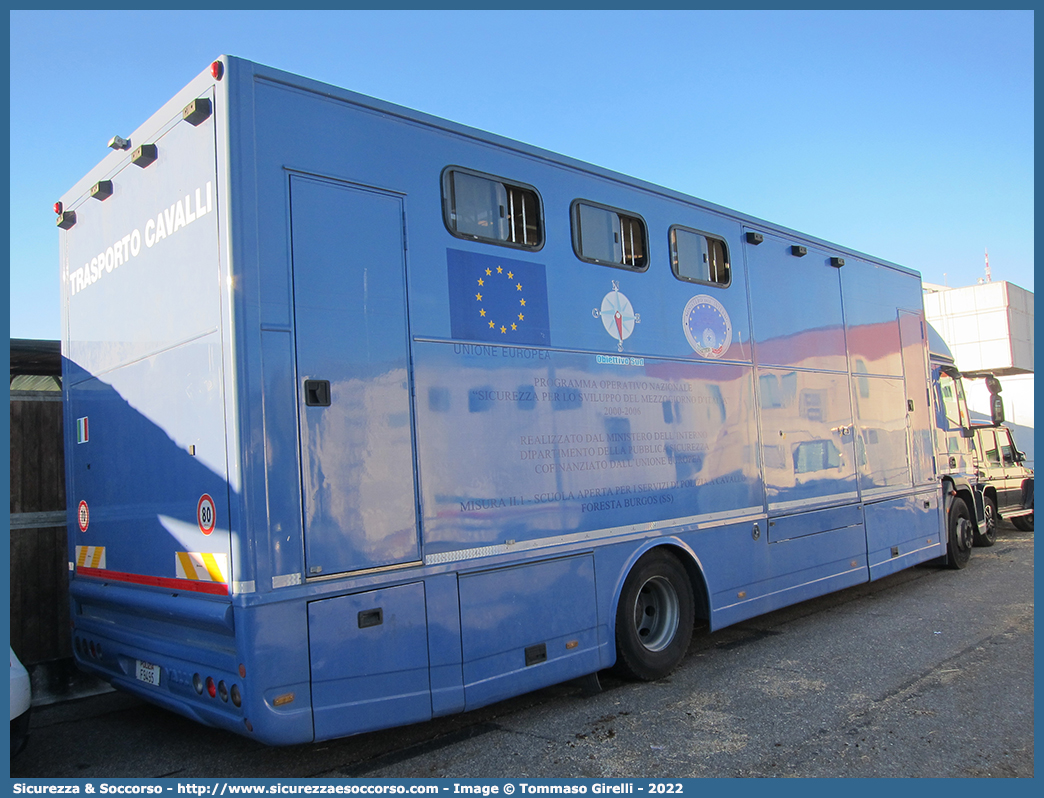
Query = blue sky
x=906 y=135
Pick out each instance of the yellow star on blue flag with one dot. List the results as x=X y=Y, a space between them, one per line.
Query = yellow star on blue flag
x=497 y=299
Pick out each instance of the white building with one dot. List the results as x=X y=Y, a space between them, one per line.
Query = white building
x=989 y=328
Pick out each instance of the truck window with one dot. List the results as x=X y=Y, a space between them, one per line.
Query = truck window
x=608 y=237
x=699 y=258
x=1007 y=451
x=952 y=399
x=489 y=209
x=989 y=445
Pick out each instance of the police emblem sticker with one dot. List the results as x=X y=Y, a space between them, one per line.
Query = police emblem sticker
x=617 y=315
x=707 y=326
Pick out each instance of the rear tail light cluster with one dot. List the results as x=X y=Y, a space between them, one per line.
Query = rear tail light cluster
x=217 y=689
x=87 y=649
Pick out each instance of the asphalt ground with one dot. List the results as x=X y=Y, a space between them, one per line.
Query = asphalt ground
x=927 y=673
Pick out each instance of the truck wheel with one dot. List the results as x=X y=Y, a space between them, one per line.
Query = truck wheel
x=960 y=535
x=1023 y=523
x=654 y=619
x=987 y=536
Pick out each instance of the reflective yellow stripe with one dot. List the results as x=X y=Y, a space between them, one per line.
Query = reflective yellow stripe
x=187 y=565
x=213 y=568
x=90 y=556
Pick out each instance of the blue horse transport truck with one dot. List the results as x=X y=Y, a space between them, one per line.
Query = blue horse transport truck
x=372 y=417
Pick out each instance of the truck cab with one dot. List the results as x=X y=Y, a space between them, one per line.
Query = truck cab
x=953 y=446
x=954 y=461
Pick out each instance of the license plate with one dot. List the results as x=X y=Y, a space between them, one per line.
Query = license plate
x=148 y=673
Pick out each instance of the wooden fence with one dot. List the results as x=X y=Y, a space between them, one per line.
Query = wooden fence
x=39 y=561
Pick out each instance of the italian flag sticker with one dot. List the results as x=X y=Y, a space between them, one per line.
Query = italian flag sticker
x=81 y=430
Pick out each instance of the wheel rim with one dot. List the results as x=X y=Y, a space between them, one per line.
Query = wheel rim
x=965 y=534
x=989 y=518
x=656 y=612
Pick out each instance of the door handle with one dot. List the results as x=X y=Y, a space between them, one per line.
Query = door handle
x=317 y=393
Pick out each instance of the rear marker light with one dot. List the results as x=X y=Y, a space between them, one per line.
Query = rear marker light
x=197 y=682
x=196 y=111
x=223 y=691
x=242 y=671
x=66 y=220
x=144 y=155
x=211 y=687
x=217 y=70
x=119 y=143
x=58 y=207
x=102 y=189
x=237 y=699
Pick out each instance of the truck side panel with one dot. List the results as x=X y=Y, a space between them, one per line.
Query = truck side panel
x=444 y=442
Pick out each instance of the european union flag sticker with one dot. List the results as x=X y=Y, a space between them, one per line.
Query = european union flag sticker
x=496 y=299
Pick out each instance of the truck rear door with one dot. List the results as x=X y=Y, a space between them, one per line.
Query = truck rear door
x=145 y=430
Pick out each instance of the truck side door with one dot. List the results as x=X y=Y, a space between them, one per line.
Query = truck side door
x=1009 y=489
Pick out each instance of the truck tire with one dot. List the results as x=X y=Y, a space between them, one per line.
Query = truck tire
x=960 y=535
x=654 y=618
x=987 y=535
x=19 y=732
x=1023 y=523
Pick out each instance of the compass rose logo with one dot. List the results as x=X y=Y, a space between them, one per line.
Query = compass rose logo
x=617 y=316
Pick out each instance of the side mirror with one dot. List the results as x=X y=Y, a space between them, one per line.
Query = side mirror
x=1020 y=456
x=996 y=410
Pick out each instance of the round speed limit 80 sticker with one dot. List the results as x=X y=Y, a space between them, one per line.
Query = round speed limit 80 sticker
x=206 y=515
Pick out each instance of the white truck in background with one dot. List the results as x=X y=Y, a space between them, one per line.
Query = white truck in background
x=1004 y=483
x=983 y=473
